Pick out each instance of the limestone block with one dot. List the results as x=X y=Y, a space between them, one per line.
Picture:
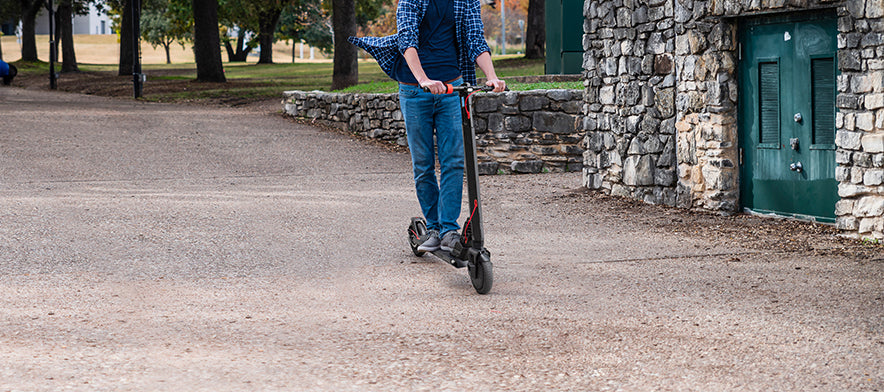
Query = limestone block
x=851 y=190
x=874 y=9
x=606 y=95
x=873 y=143
x=517 y=123
x=638 y=170
x=873 y=177
x=842 y=174
x=667 y=156
x=531 y=103
x=877 y=77
x=848 y=140
x=532 y=166
x=572 y=107
x=495 y=122
x=656 y=44
x=653 y=145
x=874 y=101
x=665 y=102
x=635 y=147
x=488 y=168
x=846 y=222
x=664 y=177
x=865 y=121
x=849 y=60
x=867 y=225
x=856 y=175
x=544 y=150
x=558 y=123
x=559 y=95
x=862 y=159
x=844 y=207
x=592 y=180
x=869 y=206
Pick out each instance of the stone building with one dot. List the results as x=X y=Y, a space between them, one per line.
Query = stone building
x=775 y=106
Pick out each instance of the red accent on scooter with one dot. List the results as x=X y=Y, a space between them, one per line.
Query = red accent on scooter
x=475 y=206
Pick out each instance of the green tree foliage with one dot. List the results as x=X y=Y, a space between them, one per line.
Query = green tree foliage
x=159 y=26
x=306 y=21
x=255 y=19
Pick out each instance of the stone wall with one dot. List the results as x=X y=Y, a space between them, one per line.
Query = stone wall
x=860 y=119
x=630 y=99
x=516 y=132
x=661 y=96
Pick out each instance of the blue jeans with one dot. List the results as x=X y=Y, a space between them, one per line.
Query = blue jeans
x=427 y=115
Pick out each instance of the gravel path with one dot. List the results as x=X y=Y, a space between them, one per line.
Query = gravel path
x=194 y=248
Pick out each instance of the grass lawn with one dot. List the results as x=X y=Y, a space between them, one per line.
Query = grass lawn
x=246 y=81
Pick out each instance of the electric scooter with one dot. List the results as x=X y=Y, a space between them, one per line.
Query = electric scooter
x=470 y=251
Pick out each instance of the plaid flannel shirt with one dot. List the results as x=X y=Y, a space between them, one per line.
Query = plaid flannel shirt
x=468 y=29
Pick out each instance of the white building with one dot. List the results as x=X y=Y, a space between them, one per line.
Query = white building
x=95 y=22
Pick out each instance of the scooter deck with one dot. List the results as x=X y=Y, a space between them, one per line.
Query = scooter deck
x=448 y=258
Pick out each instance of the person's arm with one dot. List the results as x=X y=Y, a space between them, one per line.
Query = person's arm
x=414 y=64
x=485 y=64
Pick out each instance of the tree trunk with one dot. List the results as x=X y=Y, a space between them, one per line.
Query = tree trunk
x=127 y=49
x=29 y=10
x=240 y=53
x=268 y=21
x=535 y=34
x=64 y=20
x=207 y=41
x=168 y=57
x=346 y=69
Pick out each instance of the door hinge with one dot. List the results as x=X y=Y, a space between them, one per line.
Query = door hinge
x=741 y=157
x=739 y=51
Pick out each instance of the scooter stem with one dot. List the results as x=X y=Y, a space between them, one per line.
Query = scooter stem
x=472 y=171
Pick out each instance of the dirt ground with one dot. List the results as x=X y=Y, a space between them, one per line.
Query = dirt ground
x=760 y=232
x=178 y=247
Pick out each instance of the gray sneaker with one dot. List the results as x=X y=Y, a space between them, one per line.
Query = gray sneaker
x=431 y=244
x=449 y=240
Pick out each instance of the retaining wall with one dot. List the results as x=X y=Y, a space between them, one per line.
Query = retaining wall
x=516 y=131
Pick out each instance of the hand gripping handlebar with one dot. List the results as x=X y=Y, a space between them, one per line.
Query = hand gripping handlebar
x=463 y=88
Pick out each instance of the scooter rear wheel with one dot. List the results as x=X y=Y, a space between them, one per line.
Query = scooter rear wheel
x=481 y=274
x=416 y=231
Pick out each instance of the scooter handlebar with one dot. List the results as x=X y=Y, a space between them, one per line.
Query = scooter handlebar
x=465 y=88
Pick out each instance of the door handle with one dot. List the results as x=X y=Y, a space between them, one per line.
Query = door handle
x=796 y=167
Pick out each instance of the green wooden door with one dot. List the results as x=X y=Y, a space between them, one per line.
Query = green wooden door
x=787 y=76
x=564 y=36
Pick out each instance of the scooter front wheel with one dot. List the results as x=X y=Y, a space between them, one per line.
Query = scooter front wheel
x=481 y=274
